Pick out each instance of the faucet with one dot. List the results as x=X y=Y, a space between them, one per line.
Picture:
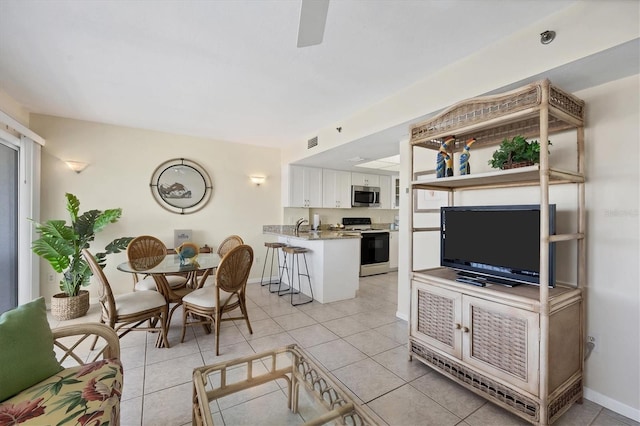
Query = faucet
x=299 y=223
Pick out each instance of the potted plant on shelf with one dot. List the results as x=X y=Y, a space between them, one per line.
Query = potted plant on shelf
x=516 y=152
x=61 y=245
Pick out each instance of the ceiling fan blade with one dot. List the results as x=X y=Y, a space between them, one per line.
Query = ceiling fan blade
x=313 y=17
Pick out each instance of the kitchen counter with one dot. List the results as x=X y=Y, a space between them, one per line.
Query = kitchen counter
x=333 y=260
x=305 y=234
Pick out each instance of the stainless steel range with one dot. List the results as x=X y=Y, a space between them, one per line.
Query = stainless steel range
x=374 y=246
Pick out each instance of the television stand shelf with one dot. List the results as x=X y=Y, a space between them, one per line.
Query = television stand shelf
x=524 y=176
x=520 y=347
x=492 y=336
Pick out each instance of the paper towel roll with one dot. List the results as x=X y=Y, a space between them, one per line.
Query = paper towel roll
x=316 y=221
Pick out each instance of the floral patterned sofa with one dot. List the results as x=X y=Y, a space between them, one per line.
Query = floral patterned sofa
x=85 y=390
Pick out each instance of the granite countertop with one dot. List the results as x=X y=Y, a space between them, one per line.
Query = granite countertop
x=306 y=234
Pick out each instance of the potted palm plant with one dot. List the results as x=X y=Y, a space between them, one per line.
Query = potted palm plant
x=61 y=245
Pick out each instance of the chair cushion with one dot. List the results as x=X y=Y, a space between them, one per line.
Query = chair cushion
x=27 y=355
x=82 y=395
x=206 y=297
x=176 y=281
x=131 y=303
x=146 y=284
x=150 y=284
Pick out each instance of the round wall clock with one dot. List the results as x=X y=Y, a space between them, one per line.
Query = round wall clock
x=181 y=186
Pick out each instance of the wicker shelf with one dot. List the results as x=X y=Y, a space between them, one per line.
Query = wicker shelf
x=490 y=119
x=520 y=347
x=524 y=176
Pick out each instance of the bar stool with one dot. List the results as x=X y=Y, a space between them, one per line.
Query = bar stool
x=295 y=263
x=273 y=247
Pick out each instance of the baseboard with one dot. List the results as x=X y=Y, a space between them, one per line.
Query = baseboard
x=612 y=404
x=402 y=316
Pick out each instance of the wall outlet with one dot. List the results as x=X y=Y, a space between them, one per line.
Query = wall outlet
x=257 y=258
x=50 y=278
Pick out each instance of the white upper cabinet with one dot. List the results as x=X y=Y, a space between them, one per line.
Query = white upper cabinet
x=336 y=189
x=305 y=185
x=364 y=179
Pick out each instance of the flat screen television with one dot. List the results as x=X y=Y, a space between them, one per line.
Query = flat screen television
x=498 y=244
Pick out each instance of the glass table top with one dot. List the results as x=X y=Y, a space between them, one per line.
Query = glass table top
x=170 y=264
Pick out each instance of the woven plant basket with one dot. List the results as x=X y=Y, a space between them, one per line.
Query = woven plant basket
x=506 y=166
x=64 y=307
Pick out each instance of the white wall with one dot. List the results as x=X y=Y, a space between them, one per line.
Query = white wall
x=121 y=162
x=16 y=111
x=334 y=216
x=612 y=138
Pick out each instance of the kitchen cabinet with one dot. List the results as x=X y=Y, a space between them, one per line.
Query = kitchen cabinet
x=336 y=189
x=393 y=250
x=365 y=179
x=305 y=186
x=519 y=347
x=385 y=192
x=395 y=192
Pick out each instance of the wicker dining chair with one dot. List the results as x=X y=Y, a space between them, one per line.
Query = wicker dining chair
x=206 y=305
x=128 y=312
x=229 y=243
x=146 y=246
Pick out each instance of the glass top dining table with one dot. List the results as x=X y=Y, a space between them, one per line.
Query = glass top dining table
x=170 y=264
x=197 y=270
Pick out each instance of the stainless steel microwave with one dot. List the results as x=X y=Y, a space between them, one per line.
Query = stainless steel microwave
x=365 y=196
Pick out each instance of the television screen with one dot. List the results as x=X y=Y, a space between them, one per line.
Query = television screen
x=499 y=243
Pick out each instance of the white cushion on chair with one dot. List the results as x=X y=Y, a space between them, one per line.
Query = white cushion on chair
x=138 y=301
x=150 y=284
x=210 y=281
x=206 y=297
x=146 y=284
x=176 y=280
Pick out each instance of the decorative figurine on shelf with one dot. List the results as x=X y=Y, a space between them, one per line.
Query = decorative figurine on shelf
x=443 y=158
x=188 y=253
x=465 y=168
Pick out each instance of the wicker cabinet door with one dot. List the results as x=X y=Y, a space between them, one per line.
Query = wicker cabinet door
x=502 y=341
x=436 y=318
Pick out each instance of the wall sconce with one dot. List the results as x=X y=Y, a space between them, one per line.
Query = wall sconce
x=258 y=180
x=76 y=166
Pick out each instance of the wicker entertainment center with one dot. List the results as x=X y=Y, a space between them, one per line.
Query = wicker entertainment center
x=519 y=347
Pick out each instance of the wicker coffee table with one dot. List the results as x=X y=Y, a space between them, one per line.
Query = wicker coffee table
x=294 y=366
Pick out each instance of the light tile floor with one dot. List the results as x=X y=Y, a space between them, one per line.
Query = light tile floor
x=359 y=341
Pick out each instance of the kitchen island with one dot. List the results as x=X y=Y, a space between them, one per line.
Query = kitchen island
x=333 y=260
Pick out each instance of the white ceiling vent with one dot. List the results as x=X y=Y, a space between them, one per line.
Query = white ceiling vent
x=312 y=142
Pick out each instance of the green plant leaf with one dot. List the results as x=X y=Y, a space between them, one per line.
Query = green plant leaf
x=73 y=206
x=55 y=229
x=85 y=227
x=118 y=245
x=56 y=251
x=109 y=216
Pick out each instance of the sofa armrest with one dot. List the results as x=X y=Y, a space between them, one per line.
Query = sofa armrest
x=73 y=342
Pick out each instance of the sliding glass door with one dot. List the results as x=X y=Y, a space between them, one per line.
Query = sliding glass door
x=8 y=227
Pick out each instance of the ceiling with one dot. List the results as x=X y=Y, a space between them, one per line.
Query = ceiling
x=230 y=69
x=587 y=72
